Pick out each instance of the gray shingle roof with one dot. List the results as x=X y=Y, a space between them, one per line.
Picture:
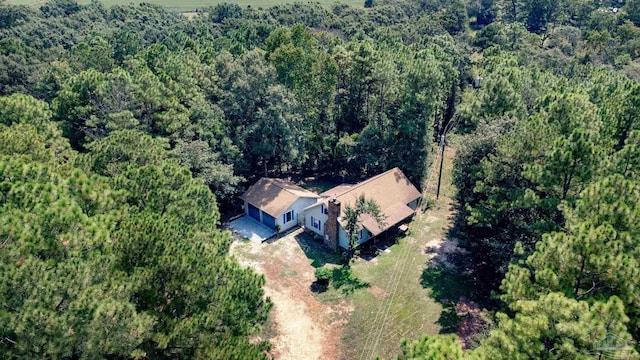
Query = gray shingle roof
x=274 y=196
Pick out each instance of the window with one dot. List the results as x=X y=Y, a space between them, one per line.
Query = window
x=323 y=209
x=288 y=216
x=316 y=223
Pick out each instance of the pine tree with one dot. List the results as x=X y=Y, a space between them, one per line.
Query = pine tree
x=433 y=348
x=556 y=327
x=130 y=265
x=597 y=257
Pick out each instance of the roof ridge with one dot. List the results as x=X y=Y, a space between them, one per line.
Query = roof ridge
x=277 y=181
x=357 y=185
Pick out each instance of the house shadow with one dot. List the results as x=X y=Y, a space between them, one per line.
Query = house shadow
x=317 y=252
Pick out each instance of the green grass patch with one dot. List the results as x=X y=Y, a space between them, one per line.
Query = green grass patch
x=340 y=280
x=192 y=5
x=316 y=252
x=394 y=305
x=447 y=286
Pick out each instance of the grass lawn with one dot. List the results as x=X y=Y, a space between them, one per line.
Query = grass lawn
x=395 y=306
x=192 y=5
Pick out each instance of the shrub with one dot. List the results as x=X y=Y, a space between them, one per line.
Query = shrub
x=324 y=274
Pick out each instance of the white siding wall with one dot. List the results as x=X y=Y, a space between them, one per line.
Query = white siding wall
x=297 y=208
x=343 y=238
x=365 y=236
x=317 y=214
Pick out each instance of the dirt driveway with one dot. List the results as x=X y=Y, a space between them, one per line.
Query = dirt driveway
x=303 y=328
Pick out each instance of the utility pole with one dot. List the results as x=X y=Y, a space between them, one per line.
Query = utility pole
x=441 y=162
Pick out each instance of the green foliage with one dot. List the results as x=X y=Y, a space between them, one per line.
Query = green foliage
x=26 y=131
x=96 y=54
x=55 y=274
x=116 y=266
x=307 y=91
x=324 y=273
x=632 y=8
x=206 y=164
x=440 y=348
x=512 y=184
x=596 y=258
x=556 y=327
x=20 y=108
x=354 y=223
x=546 y=199
x=112 y=155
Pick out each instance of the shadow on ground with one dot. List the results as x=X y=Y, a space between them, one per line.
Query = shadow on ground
x=317 y=252
x=375 y=247
x=450 y=279
x=342 y=279
x=447 y=286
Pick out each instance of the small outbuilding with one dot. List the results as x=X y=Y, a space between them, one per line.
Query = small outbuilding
x=277 y=202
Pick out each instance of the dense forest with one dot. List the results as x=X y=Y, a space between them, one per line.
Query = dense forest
x=125 y=133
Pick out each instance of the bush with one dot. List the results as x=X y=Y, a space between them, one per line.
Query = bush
x=324 y=274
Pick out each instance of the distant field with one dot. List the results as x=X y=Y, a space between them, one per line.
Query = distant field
x=191 y=5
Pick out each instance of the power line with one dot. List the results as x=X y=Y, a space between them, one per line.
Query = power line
x=375 y=320
x=399 y=276
x=431 y=172
x=442 y=143
x=452 y=124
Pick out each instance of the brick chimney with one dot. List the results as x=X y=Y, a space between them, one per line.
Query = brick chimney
x=331 y=226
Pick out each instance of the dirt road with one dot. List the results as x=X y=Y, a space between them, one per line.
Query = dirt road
x=304 y=327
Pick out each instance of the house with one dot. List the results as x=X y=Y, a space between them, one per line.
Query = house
x=396 y=197
x=277 y=202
